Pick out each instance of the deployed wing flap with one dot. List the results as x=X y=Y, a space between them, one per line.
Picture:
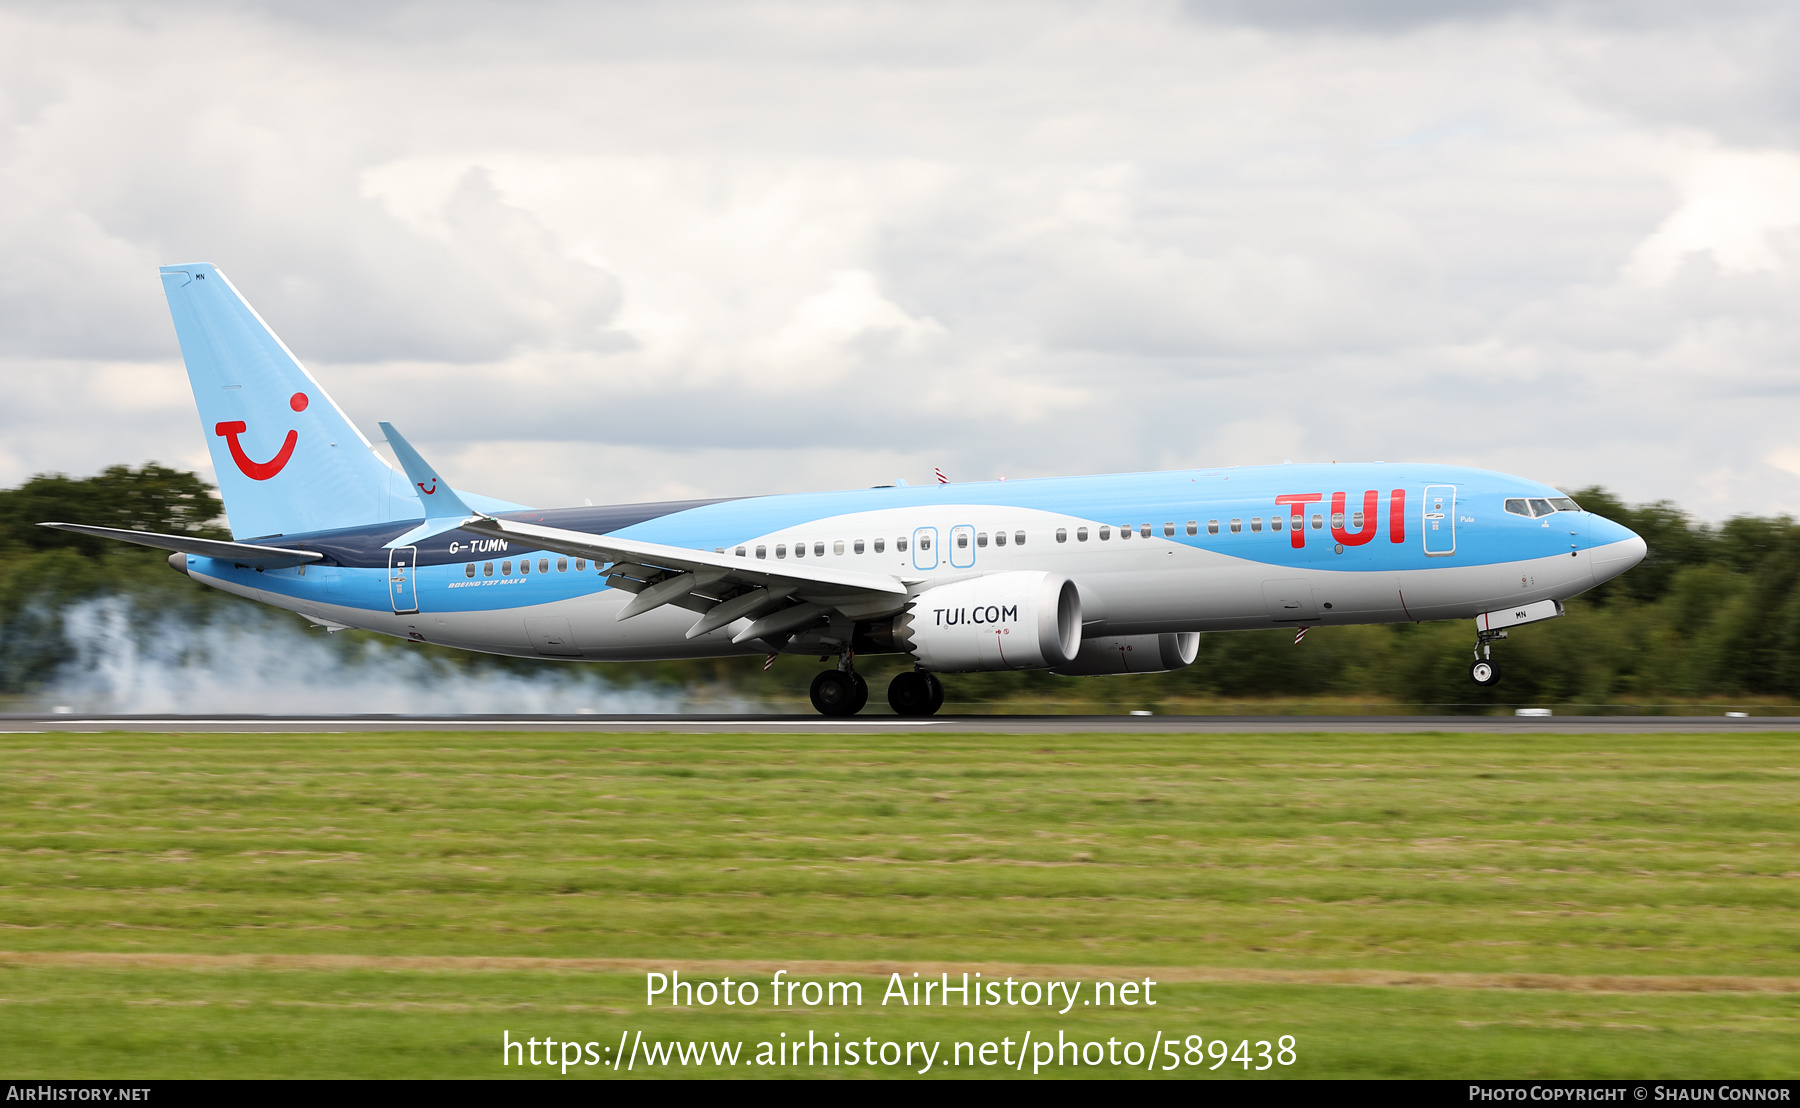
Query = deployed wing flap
x=661 y=574
x=244 y=553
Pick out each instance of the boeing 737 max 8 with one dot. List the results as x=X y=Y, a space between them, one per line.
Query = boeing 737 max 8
x=1079 y=575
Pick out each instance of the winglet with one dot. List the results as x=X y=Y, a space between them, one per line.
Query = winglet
x=438 y=498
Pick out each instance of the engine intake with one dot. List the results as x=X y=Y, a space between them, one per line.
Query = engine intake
x=1134 y=654
x=1022 y=620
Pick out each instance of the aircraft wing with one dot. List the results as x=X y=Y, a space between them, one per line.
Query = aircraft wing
x=722 y=587
x=244 y=553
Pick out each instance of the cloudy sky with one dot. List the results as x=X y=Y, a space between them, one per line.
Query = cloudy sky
x=626 y=252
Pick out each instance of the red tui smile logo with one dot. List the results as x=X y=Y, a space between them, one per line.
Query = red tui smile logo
x=428 y=491
x=261 y=471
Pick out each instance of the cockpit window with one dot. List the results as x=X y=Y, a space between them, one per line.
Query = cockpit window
x=1540 y=506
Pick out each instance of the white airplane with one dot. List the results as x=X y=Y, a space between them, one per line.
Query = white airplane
x=1117 y=573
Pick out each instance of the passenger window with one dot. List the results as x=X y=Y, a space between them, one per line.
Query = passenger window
x=981 y=539
x=762 y=552
x=1081 y=534
x=819 y=549
x=1212 y=526
x=741 y=552
x=924 y=542
x=580 y=565
x=962 y=540
x=1168 y=530
x=999 y=538
x=799 y=550
x=1193 y=527
x=1145 y=530
x=1356 y=519
x=1318 y=521
x=1105 y=533
x=1124 y=533
x=524 y=566
x=836 y=547
x=781 y=550
x=562 y=564
x=1237 y=526
x=469 y=570
x=1256 y=523
x=506 y=569
x=487 y=569
x=1337 y=520
x=1274 y=523
x=859 y=546
x=543 y=565
x=1018 y=538
x=881 y=544
x=899 y=545
x=1062 y=534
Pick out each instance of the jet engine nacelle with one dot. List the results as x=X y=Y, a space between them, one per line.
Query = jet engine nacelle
x=1133 y=654
x=1023 y=620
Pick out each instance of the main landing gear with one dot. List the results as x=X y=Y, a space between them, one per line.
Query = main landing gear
x=840 y=692
x=844 y=692
x=1485 y=672
x=915 y=693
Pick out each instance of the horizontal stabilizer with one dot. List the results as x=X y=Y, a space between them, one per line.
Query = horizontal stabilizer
x=244 y=553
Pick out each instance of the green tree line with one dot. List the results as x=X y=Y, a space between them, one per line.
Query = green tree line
x=1709 y=616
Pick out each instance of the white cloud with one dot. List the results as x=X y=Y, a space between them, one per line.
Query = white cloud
x=675 y=249
x=1735 y=206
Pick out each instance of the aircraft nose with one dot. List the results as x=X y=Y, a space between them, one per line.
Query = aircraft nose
x=1616 y=549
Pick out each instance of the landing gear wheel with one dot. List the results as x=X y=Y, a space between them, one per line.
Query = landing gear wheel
x=1485 y=673
x=915 y=694
x=862 y=694
x=834 y=693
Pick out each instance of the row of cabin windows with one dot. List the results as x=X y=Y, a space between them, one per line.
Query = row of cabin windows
x=1236 y=526
x=879 y=546
x=1000 y=538
x=543 y=566
x=1276 y=523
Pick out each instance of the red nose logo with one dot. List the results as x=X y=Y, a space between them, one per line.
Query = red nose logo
x=260 y=471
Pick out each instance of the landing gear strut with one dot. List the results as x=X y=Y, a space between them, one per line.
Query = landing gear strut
x=841 y=691
x=915 y=693
x=1485 y=672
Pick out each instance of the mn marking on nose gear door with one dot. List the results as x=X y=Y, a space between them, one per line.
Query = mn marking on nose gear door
x=1440 y=520
x=401 y=590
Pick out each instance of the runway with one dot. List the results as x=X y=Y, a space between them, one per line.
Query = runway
x=982 y=724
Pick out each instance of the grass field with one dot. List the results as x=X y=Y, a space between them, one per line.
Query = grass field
x=1403 y=905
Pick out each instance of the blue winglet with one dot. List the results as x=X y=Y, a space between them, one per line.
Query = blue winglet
x=444 y=510
x=435 y=494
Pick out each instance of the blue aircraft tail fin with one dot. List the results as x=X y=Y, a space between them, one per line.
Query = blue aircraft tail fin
x=287 y=459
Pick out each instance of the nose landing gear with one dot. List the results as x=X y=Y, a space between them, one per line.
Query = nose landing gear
x=1485 y=672
x=915 y=693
